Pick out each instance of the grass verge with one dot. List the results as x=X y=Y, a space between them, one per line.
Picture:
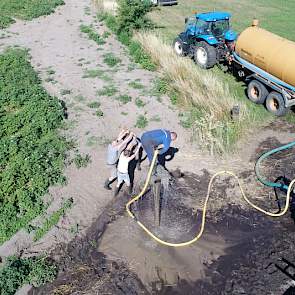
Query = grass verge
x=32 y=153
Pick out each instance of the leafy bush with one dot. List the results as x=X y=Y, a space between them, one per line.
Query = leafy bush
x=25 y=9
x=32 y=153
x=19 y=271
x=131 y=15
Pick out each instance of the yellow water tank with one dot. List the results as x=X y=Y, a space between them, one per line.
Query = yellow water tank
x=268 y=51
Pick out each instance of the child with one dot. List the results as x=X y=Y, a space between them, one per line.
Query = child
x=113 y=153
x=122 y=172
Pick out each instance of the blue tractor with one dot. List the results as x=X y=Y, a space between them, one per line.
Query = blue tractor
x=207 y=38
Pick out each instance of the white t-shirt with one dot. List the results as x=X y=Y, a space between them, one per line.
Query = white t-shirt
x=123 y=164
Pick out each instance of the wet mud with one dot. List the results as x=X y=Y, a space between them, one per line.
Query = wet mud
x=240 y=252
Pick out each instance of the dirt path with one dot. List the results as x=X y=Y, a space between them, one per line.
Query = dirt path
x=62 y=55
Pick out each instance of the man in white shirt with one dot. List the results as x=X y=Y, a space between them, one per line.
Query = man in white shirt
x=123 y=164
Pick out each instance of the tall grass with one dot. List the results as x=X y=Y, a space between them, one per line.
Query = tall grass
x=209 y=97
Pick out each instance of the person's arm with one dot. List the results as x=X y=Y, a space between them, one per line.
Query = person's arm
x=122 y=134
x=123 y=143
x=135 y=152
x=132 y=143
x=166 y=146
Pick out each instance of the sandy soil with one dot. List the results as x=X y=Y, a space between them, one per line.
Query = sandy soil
x=55 y=42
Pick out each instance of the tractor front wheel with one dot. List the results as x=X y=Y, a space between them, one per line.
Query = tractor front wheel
x=205 y=55
x=178 y=47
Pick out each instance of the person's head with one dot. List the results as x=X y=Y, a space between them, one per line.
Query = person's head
x=173 y=135
x=127 y=153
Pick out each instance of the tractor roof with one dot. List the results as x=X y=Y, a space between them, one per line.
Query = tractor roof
x=213 y=16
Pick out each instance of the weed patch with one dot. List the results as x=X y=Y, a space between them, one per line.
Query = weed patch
x=82 y=162
x=111 y=60
x=136 y=85
x=32 y=153
x=92 y=34
x=97 y=73
x=107 y=91
x=139 y=103
x=141 y=122
x=124 y=98
x=94 y=105
x=99 y=113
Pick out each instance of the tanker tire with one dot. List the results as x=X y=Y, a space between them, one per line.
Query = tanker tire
x=178 y=47
x=275 y=104
x=205 y=55
x=257 y=92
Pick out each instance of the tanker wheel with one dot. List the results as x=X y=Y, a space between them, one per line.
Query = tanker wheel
x=178 y=47
x=275 y=104
x=257 y=92
x=205 y=55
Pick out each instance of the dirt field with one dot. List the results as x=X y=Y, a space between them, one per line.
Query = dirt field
x=109 y=254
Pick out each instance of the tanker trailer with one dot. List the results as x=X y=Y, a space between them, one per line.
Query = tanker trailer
x=267 y=63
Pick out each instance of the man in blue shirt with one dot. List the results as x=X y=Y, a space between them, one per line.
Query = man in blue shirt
x=154 y=139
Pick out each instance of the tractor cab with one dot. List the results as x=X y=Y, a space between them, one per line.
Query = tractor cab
x=212 y=27
x=211 y=33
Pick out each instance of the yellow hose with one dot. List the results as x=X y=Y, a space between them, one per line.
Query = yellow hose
x=197 y=237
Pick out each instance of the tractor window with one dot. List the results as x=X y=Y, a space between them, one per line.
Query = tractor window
x=203 y=27
x=219 y=27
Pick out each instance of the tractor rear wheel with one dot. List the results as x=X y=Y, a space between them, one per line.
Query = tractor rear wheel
x=178 y=47
x=205 y=55
x=257 y=92
x=275 y=104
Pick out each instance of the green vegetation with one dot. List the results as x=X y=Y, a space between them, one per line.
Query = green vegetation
x=139 y=103
x=124 y=113
x=32 y=153
x=17 y=272
x=99 y=113
x=25 y=9
x=52 y=220
x=107 y=91
x=106 y=34
x=81 y=161
x=92 y=35
x=79 y=98
x=141 y=122
x=94 y=105
x=136 y=85
x=111 y=60
x=97 y=73
x=124 y=98
x=131 y=15
x=94 y=141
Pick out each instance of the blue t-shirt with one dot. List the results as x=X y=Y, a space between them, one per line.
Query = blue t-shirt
x=157 y=137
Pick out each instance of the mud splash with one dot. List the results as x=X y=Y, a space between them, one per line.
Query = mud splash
x=236 y=253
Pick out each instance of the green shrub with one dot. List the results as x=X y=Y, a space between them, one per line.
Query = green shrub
x=32 y=153
x=139 y=103
x=19 y=271
x=99 y=113
x=131 y=15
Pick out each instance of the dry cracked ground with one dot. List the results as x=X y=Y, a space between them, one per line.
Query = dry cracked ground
x=72 y=68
